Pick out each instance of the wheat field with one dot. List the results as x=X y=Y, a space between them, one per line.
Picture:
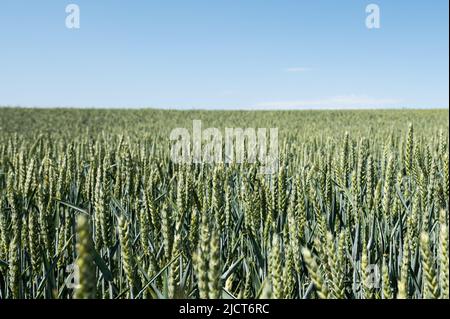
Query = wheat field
x=91 y=206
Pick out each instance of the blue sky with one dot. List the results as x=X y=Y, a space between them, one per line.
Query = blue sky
x=224 y=54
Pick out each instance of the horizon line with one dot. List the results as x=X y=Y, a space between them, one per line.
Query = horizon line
x=131 y=108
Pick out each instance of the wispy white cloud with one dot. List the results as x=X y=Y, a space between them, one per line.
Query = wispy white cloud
x=336 y=102
x=296 y=69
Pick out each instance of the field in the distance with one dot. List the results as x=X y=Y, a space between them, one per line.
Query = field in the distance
x=92 y=207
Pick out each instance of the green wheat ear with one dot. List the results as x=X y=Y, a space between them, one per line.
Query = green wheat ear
x=214 y=267
x=387 y=290
x=403 y=282
x=315 y=274
x=430 y=284
x=276 y=268
x=443 y=256
x=85 y=267
x=334 y=258
x=128 y=258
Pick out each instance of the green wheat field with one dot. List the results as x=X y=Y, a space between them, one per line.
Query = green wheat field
x=91 y=206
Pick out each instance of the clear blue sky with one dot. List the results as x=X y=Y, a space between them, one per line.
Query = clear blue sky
x=224 y=54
